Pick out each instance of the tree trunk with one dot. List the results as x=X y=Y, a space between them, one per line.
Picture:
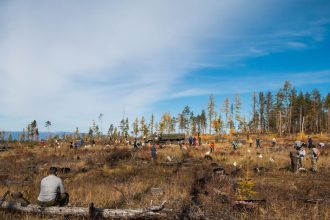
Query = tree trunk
x=302 y=125
x=300 y=120
x=329 y=120
x=150 y=213
x=280 y=124
x=290 y=119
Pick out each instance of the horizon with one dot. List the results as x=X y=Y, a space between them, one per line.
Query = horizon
x=138 y=58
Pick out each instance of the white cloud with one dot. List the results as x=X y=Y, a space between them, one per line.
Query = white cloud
x=68 y=61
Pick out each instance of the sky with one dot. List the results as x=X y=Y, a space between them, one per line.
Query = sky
x=68 y=61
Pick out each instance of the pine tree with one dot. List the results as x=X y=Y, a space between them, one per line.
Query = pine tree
x=47 y=125
x=181 y=122
x=77 y=135
x=100 y=119
x=144 y=128
x=2 y=136
x=255 y=116
x=203 y=121
x=22 y=136
x=261 y=112
x=110 y=130
x=317 y=108
x=126 y=128
x=186 y=118
x=90 y=134
x=225 y=110
x=10 y=137
x=136 y=127
x=173 y=124
x=327 y=105
x=279 y=111
x=238 y=105
x=152 y=123
x=211 y=112
x=269 y=108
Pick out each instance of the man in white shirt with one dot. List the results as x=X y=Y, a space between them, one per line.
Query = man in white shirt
x=52 y=191
x=315 y=153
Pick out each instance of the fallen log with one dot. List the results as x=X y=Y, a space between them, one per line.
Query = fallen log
x=248 y=204
x=145 y=213
x=311 y=200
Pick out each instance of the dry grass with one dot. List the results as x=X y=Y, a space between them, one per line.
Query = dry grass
x=123 y=178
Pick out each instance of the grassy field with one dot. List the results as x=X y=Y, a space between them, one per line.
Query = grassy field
x=120 y=177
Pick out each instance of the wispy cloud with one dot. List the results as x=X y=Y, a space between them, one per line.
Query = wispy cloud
x=297 y=45
x=226 y=85
x=68 y=61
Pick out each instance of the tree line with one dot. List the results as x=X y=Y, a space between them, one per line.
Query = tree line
x=286 y=111
x=283 y=112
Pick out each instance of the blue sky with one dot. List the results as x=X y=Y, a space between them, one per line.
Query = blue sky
x=69 y=61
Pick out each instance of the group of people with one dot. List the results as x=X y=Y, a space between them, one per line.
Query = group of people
x=258 y=142
x=195 y=141
x=52 y=192
x=298 y=155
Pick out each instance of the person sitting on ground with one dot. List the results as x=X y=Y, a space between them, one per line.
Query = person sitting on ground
x=52 y=191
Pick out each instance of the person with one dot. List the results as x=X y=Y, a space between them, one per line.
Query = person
x=76 y=145
x=274 y=141
x=190 y=140
x=212 y=145
x=301 y=157
x=153 y=152
x=71 y=144
x=194 y=141
x=52 y=191
x=294 y=160
x=135 y=144
x=234 y=144
x=315 y=153
x=309 y=142
x=321 y=145
x=57 y=143
x=298 y=144
x=199 y=141
x=82 y=142
x=250 y=142
x=258 y=142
